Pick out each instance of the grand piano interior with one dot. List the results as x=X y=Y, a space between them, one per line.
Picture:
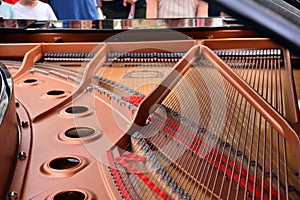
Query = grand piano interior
x=203 y=108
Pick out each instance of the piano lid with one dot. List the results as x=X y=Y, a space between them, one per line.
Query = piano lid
x=277 y=19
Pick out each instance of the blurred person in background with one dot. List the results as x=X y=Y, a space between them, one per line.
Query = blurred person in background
x=34 y=9
x=75 y=9
x=176 y=8
x=6 y=11
x=123 y=9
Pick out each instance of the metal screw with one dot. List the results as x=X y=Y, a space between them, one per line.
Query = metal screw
x=13 y=195
x=24 y=124
x=22 y=155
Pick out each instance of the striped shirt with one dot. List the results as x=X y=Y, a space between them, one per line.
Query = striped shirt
x=176 y=8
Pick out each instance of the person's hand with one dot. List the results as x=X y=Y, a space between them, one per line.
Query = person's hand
x=128 y=1
x=99 y=5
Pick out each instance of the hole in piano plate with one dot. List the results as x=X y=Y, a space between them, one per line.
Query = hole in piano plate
x=64 y=163
x=64 y=166
x=76 y=109
x=55 y=92
x=70 y=195
x=30 y=81
x=79 y=132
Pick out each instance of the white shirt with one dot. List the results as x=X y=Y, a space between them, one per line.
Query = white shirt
x=6 y=11
x=42 y=11
x=176 y=8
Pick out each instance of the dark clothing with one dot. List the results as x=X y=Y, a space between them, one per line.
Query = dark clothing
x=116 y=10
x=213 y=12
x=74 y=9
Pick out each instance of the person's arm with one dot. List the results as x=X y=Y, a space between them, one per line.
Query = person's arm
x=128 y=1
x=201 y=8
x=99 y=4
x=152 y=8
